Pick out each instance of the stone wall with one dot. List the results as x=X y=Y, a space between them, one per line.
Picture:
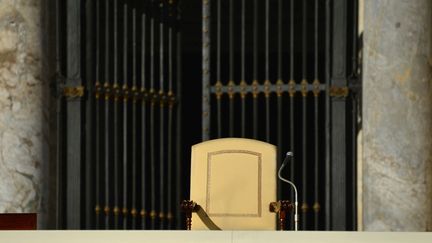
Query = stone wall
x=25 y=113
x=397 y=115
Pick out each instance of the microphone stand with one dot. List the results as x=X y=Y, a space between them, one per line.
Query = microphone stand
x=296 y=219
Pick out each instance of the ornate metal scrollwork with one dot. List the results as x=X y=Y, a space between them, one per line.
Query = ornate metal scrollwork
x=339 y=91
x=73 y=92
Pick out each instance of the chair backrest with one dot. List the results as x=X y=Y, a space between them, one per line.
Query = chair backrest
x=234 y=180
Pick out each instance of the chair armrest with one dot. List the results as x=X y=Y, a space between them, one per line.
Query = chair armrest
x=281 y=207
x=188 y=206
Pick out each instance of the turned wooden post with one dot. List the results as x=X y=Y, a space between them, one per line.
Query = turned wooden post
x=285 y=207
x=282 y=208
x=188 y=207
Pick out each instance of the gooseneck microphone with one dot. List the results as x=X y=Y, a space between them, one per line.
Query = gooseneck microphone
x=288 y=157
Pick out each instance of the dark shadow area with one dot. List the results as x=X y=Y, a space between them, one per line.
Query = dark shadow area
x=48 y=204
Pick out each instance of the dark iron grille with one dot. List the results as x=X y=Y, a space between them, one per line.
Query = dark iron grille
x=120 y=148
x=129 y=58
x=264 y=70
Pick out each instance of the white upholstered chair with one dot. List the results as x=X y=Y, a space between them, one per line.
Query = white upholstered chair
x=233 y=186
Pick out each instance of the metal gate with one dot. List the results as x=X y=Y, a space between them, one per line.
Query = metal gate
x=118 y=156
x=282 y=71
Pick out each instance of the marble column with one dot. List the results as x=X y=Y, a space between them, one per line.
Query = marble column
x=397 y=115
x=26 y=168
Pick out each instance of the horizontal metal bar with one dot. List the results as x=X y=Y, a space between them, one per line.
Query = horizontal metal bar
x=262 y=88
x=126 y=93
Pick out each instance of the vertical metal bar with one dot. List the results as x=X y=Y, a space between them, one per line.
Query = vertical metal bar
x=134 y=122
x=219 y=114
x=107 y=137
x=170 y=100
x=304 y=83
x=89 y=134
x=152 y=19
x=354 y=37
x=170 y=27
x=316 y=83
x=304 y=39
x=152 y=166
x=279 y=96
x=98 y=125
x=255 y=71
x=60 y=166
x=170 y=117
x=218 y=71
x=354 y=166
x=179 y=154
x=291 y=92
x=328 y=200
x=231 y=40
x=60 y=122
x=316 y=38
x=280 y=36
x=116 y=91
x=74 y=117
x=292 y=137
x=305 y=205
x=161 y=46
x=59 y=38
x=291 y=41
x=169 y=169
x=125 y=117
x=338 y=117
x=355 y=111
x=143 y=212
x=279 y=139
x=98 y=157
x=231 y=68
x=316 y=206
x=152 y=117
x=206 y=71
x=267 y=69
x=161 y=121
x=243 y=66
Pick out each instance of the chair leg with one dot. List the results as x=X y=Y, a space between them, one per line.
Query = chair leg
x=188 y=207
x=282 y=218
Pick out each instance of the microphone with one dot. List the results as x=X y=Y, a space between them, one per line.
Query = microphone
x=288 y=157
